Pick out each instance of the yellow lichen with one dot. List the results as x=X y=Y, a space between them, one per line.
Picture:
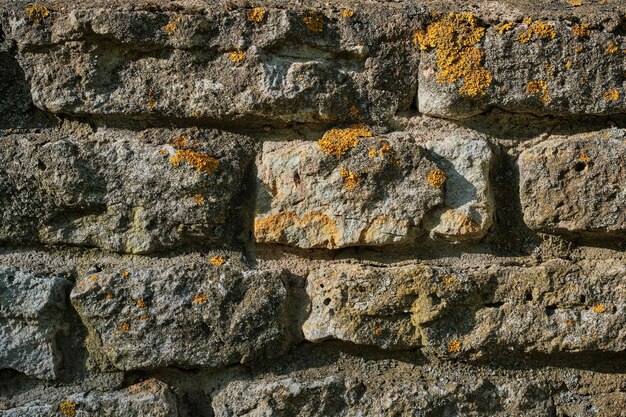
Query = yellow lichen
x=454 y=37
x=144 y=317
x=385 y=150
x=437 y=178
x=200 y=299
x=124 y=327
x=218 y=260
x=237 y=56
x=256 y=14
x=539 y=87
x=337 y=142
x=568 y=64
x=581 y=30
x=37 y=12
x=612 y=48
x=449 y=280
x=454 y=346
x=575 y=3
x=171 y=27
x=314 y=22
x=68 y=408
x=351 y=180
x=505 y=27
x=584 y=157
x=198 y=199
x=201 y=162
x=537 y=30
x=94 y=278
x=599 y=308
x=372 y=152
x=611 y=95
x=548 y=68
x=378 y=331
x=579 y=49
x=125 y=274
x=180 y=141
x=346 y=13
x=140 y=303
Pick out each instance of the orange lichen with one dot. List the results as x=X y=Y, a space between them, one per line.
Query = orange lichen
x=584 y=157
x=454 y=346
x=454 y=37
x=180 y=141
x=37 y=12
x=124 y=327
x=201 y=162
x=199 y=199
x=449 y=280
x=384 y=150
x=346 y=13
x=539 y=87
x=378 y=331
x=218 y=260
x=372 y=152
x=200 y=299
x=568 y=64
x=351 y=180
x=537 y=30
x=581 y=30
x=337 y=142
x=611 y=95
x=94 y=278
x=68 y=408
x=237 y=56
x=505 y=27
x=437 y=178
x=273 y=228
x=256 y=14
x=612 y=48
x=314 y=22
x=599 y=308
x=140 y=303
x=125 y=274
x=171 y=26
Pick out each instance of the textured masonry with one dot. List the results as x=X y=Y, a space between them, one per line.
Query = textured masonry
x=325 y=209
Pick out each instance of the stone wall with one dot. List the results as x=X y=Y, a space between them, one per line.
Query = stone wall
x=364 y=208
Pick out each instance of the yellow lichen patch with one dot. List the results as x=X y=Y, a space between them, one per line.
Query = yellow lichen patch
x=449 y=280
x=237 y=56
x=505 y=27
x=124 y=327
x=170 y=28
x=125 y=274
x=612 y=48
x=548 y=68
x=599 y=308
x=94 y=278
x=346 y=13
x=385 y=150
x=539 y=87
x=611 y=95
x=199 y=199
x=144 y=317
x=201 y=162
x=218 y=260
x=378 y=331
x=272 y=228
x=579 y=49
x=180 y=141
x=454 y=36
x=37 y=12
x=256 y=14
x=140 y=303
x=351 y=180
x=454 y=346
x=581 y=30
x=575 y=3
x=437 y=178
x=200 y=299
x=537 y=30
x=584 y=157
x=371 y=153
x=568 y=64
x=337 y=142
x=68 y=408
x=314 y=22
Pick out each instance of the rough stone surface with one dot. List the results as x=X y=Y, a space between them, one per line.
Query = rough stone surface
x=186 y=316
x=31 y=316
x=119 y=190
x=575 y=185
x=151 y=398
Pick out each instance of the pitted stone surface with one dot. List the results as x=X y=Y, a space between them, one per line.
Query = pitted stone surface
x=194 y=316
x=576 y=185
x=32 y=310
x=119 y=190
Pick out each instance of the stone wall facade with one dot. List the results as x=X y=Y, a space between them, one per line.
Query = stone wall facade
x=321 y=208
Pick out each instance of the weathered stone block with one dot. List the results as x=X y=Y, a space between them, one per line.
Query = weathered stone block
x=536 y=66
x=193 y=316
x=31 y=316
x=575 y=185
x=122 y=191
x=151 y=398
x=345 y=190
x=290 y=65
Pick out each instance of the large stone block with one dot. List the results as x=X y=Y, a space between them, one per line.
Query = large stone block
x=280 y=64
x=196 y=316
x=31 y=317
x=122 y=191
x=535 y=66
x=151 y=398
x=576 y=185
